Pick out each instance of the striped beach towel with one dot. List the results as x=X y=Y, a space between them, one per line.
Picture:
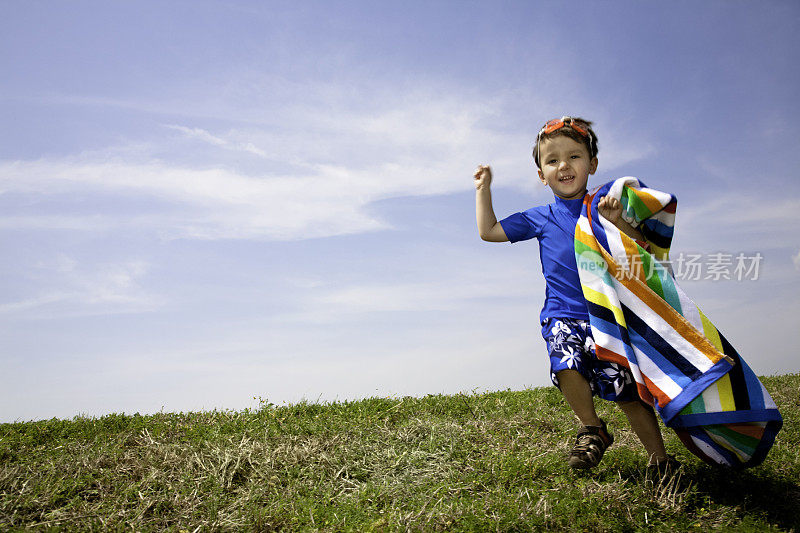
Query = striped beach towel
x=641 y=318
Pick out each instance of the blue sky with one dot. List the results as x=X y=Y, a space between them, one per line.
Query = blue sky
x=203 y=203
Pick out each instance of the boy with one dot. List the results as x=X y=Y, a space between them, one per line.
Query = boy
x=565 y=154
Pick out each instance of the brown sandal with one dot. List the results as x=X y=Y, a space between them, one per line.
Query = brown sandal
x=590 y=445
x=665 y=467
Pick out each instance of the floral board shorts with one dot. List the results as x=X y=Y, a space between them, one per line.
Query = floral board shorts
x=571 y=346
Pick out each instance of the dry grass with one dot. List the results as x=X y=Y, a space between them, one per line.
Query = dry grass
x=467 y=462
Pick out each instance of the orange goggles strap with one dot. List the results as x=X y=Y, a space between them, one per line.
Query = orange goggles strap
x=557 y=123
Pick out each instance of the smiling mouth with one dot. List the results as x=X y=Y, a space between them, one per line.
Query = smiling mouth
x=566 y=178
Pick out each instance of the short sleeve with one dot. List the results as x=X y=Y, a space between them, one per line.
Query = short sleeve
x=524 y=225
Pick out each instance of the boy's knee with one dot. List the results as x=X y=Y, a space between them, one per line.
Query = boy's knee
x=627 y=405
x=570 y=374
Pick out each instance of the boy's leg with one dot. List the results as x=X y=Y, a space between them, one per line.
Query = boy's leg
x=643 y=420
x=569 y=347
x=578 y=393
x=593 y=438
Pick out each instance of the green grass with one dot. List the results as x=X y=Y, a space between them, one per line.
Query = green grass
x=479 y=462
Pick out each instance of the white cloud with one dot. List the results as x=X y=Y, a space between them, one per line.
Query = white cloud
x=34 y=303
x=444 y=291
x=203 y=203
x=734 y=222
x=439 y=295
x=317 y=175
x=86 y=222
x=324 y=170
x=616 y=152
x=205 y=136
x=734 y=208
x=68 y=288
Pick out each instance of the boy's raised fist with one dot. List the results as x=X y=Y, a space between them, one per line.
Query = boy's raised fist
x=483 y=176
x=610 y=208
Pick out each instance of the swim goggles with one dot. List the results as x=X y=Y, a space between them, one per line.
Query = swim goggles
x=557 y=123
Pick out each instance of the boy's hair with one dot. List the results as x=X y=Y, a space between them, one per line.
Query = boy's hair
x=564 y=127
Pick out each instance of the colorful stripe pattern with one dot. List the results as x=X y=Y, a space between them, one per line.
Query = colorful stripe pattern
x=641 y=318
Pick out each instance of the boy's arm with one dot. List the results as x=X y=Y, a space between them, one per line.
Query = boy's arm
x=611 y=209
x=488 y=227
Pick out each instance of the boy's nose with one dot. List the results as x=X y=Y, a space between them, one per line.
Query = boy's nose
x=563 y=164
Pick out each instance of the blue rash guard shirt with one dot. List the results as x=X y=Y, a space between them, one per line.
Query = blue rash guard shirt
x=554 y=226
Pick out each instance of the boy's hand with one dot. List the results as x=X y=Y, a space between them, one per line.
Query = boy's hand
x=483 y=177
x=488 y=227
x=610 y=208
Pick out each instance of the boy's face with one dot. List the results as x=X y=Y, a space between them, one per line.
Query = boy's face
x=566 y=165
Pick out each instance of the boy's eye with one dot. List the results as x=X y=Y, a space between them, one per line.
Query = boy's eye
x=551 y=161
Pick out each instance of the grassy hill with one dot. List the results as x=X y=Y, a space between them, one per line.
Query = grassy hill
x=479 y=462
